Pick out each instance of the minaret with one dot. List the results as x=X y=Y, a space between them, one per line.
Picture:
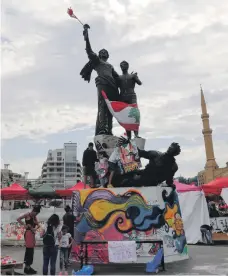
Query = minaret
x=211 y=164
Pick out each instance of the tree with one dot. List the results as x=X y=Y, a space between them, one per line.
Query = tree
x=189 y=180
x=28 y=185
x=134 y=113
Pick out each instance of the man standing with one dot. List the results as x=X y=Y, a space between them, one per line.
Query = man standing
x=68 y=220
x=88 y=163
x=127 y=88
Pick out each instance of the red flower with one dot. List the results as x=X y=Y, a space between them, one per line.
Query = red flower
x=70 y=12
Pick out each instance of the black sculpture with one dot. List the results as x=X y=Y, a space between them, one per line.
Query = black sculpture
x=106 y=80
x=127 y=88
x=161 y=167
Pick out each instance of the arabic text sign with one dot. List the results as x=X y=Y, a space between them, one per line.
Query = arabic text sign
x=122 y=251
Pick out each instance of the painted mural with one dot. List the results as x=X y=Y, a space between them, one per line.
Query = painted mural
x=129 y=214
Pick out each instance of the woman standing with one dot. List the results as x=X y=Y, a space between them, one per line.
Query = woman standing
x=31 y=225
x=51 y=236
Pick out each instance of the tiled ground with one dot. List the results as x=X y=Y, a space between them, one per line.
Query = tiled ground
x=204 y=260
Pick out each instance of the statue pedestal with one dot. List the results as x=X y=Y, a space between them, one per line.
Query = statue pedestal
x=154 y=207
x=107 y=143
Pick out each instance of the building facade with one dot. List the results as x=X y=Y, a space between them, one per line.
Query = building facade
x=211 y=170
x=8 y=177
x=61 y=168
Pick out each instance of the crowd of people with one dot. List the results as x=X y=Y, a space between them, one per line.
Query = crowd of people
x=56 y=238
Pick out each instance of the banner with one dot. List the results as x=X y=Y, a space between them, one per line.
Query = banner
x=124 y=214
x=219 y=228
x=13 y=233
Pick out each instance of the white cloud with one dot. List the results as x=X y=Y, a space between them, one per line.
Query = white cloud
x=173 y=45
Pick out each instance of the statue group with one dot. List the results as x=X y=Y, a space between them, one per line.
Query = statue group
x=121 y=88
x=117 y=87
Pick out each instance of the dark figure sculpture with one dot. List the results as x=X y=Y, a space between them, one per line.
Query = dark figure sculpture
x=106 y=80
x=127 y=88
x=161 y=167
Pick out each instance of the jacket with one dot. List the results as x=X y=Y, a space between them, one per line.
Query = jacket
x=89 y=158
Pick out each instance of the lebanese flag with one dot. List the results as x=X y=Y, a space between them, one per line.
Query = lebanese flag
x=127 y=115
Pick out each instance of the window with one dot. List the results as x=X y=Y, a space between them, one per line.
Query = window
x=70 y=175
x=59 y=164
x=70 y=170
x=59 y=170
x=59 y=158
x=59 y=153
x=70 y=164
x=51 y=170
x=51 y=164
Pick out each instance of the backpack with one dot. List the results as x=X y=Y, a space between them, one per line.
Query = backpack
x=49 y=237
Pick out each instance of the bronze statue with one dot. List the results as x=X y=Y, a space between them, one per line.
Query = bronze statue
x=161 y=167
x=106 y=80
x=127 y=88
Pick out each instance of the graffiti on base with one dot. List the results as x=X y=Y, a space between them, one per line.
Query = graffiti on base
x=106 y=215
x=15 y=231
x=219 y=225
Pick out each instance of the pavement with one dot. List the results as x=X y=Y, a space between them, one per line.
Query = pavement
x=203 y=260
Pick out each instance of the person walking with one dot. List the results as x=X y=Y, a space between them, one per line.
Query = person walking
x=64 y=244
x=31 y=225
x=88 y=163
x=51 y=236
x=68 y=220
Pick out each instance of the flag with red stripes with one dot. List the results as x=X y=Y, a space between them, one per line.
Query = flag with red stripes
x=127 y=115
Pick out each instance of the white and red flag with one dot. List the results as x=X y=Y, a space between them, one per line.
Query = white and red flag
x=127 y=115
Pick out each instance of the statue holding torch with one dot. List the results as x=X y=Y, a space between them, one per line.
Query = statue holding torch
x=107 y=80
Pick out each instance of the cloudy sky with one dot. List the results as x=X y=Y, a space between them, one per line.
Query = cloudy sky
x=174 y=45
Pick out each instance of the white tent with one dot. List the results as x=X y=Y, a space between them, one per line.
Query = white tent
x=194 y=212
x=224 y=194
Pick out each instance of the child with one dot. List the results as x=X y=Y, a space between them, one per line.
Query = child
x=102 y=168
x=64 y=244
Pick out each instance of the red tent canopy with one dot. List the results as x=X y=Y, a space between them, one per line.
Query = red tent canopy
x=181 y=188
x=215 y=186
x=14 y=191
x=69 y=192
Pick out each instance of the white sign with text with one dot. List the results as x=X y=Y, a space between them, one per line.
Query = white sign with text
x=122 y=251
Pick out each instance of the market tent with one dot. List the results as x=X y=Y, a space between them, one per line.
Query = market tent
x=68 y=192
x=44 y=191
x=195 y=213
x=181 y=188
x=14 y=191
x=215 y=186
x=194 y=210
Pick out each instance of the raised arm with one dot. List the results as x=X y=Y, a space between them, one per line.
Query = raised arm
x=147 y=154
x=137 y=80
x=91 y=55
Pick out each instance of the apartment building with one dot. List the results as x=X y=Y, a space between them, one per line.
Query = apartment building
x=61 y=168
